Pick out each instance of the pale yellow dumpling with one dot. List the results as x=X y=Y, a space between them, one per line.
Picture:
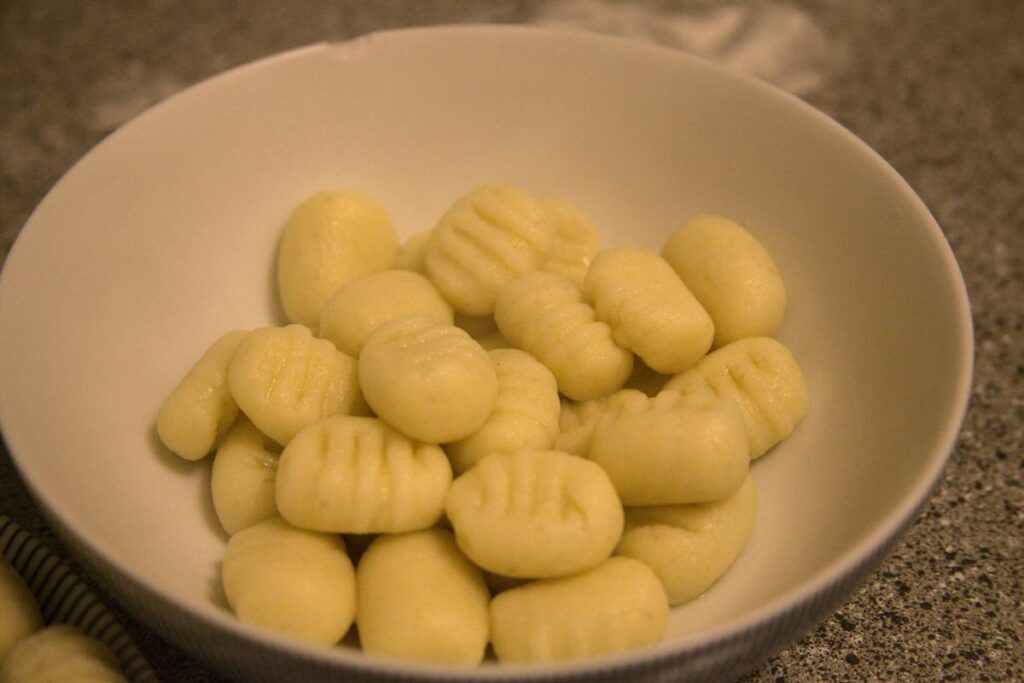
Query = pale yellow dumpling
x=200 y=410
x=574 y=243
x=243 y=477
x=432 y=382
x=761 y=378
x=663 y=457
x=488 y=237
x=292 y=581
x=330 y=238
x=619 y=605
x=731 y=274
x=525 y=411
x=535 y=513
x=60 y=653
x=362 y=304
x=420 y=599
x=284 y=378
x=19 y=615
x=545 y=314
x=358 y=475
x=648 y=308
x=690 y=546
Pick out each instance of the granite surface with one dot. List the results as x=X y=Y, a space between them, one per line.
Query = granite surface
x=935 y=86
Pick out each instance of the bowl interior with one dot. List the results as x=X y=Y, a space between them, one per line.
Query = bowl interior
x=164 y=237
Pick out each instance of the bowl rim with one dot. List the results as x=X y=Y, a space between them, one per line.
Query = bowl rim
x=842 y=570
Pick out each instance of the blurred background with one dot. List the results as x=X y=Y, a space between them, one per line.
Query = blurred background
x=936 y=87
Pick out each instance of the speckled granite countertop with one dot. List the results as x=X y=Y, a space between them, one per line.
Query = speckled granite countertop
x=935 y=86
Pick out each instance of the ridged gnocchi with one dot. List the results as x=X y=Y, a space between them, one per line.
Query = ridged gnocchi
x=432 y=382
x=489 y=237
x=574 y=242
x=361 y=305
x=618 y=605
x=60 y=653
x=525 y=411
x=535 y=513
x=545 y=314
x=760 y=376
x=732 y=275
x=243 y=477
x=649 y=309
x=284 y=378
x=289 y=580
x=201 y=410
x=420 y=599
x=330 y=238
x=358 y=475
x=690 y=546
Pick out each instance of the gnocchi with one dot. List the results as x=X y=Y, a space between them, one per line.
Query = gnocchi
x=359 y=306
x=690 y=546
x=358 y=475
x=535 y=513
x=430 y=381
x=489 y=237
x=330 y=238
x=292 y=581
x=59 y=653
x=574 y=242
x=760 y=376
x=201 y=410
x=649 y=309
x=662 y=457
x=20 y=615
x=284 y=378
x=525 y=411
x=733 y=277
x=618 y=605
x=545 y=314
x=243 y=477
x=420 y=599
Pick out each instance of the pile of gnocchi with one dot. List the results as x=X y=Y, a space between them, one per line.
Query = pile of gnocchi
x=493 y=439
x=32 y=651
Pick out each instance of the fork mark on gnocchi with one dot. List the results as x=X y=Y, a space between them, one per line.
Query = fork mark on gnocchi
x=535 y=513
x=770 y=395
x=357 y=475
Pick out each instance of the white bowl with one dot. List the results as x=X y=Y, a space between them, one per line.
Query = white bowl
x=164 y=236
